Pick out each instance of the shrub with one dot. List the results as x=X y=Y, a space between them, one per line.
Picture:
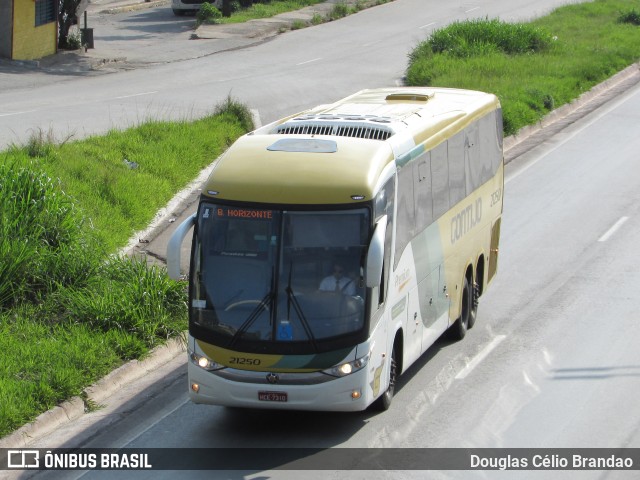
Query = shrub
x=208 y=14
x=338 y=11
x=43 y=240
x=237 y=110
x=630 y=16
x=480 y=37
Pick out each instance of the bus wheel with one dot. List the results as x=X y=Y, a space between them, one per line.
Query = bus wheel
x=384 y=401
x=461 y=326
x=474 y=304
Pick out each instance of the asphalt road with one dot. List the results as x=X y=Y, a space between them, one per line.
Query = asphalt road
x=292 y=72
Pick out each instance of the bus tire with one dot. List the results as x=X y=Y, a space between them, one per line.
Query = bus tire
x=459 y=329
x=383 y=402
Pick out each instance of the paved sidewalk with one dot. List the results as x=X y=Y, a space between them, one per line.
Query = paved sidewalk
x=218 y=38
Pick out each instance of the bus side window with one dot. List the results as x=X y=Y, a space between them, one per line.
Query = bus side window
x=456 y=154
x=423 y=202
x=439 y=180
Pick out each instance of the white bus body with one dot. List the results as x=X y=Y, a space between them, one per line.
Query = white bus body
x=392 y=195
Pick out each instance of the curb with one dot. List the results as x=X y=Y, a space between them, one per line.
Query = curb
x=93 y=395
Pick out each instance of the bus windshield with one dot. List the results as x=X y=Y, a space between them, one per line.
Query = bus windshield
x=278 y=277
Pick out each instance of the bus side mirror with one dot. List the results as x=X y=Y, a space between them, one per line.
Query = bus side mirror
x=174 y=246
x=375 y=255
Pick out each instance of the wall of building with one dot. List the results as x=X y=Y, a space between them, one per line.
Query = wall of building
x=31 y=42
x=6 y=27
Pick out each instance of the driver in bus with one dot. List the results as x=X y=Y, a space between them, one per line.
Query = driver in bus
x=338 y=282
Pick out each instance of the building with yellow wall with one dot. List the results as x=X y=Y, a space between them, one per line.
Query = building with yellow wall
x=28 y=28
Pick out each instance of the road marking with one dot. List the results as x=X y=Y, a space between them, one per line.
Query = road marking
x=308 y=61
x=136 y=95
x=427 y=25
x=472 y=9
x=481 y=356
x=15 y=113
x=613 y=229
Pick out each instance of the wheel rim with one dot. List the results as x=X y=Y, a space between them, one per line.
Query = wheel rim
x=392 y=376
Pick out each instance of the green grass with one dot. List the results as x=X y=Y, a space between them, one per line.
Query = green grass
x=275 y=7
x=117 y=198
x=267 y=10
x=532 y=67
x=69 y=310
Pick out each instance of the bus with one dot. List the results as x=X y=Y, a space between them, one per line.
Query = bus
x=332 y=248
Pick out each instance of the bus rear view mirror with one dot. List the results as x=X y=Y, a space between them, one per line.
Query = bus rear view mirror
x=375 y=255
x=174 y=247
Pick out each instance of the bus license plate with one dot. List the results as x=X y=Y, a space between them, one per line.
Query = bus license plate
x=272 y=396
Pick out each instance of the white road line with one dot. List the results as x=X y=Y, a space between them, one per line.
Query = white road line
x=15 y=113
x=308 y=61
x=427 y=25
x=472 y=9
x=613 y=229
x=481 y=356
x=136 y=95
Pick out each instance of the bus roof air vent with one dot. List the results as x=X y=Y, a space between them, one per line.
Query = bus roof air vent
x=356 y=126
x=409 y=97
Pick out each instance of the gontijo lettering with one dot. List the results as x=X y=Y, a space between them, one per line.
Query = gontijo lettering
x=465 y=220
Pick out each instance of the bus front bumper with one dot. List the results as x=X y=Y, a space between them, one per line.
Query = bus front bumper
x=349 y=393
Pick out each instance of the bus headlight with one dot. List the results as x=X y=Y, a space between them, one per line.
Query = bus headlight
x=204 y=362
x=348 y=368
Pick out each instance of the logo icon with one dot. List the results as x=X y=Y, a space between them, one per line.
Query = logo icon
x=23 y=459
x=273 y=378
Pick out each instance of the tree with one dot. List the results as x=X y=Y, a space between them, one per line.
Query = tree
x=226 y=8
x=67 y=16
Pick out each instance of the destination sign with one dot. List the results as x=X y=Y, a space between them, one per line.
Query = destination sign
x=232 y=212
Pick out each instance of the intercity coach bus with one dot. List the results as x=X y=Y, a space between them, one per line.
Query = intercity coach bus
x=333 y=247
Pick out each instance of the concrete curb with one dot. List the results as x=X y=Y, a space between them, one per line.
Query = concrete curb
x=93 y=395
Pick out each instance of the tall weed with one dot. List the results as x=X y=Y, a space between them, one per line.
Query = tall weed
x=43 y=241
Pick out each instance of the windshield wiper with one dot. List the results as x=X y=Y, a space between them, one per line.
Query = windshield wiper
x=291 y=299
x=266 y=303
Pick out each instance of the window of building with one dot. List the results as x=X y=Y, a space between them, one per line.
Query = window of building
x=45 y=11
